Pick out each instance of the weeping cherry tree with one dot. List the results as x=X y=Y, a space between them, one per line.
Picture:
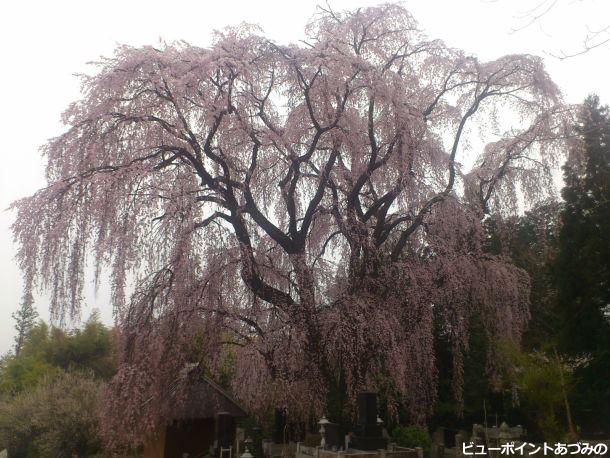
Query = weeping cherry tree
x=300 y=214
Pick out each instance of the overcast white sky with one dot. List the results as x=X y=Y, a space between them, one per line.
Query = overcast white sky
x=44 y=43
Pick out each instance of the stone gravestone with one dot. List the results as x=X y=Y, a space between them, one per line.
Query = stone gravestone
x=368 y=435
x=279 y=426
x=438 y=436
x=334 y=436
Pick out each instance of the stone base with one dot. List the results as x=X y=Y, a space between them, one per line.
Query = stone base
x=369 y=443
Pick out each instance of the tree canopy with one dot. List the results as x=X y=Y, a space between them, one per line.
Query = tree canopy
x=48 y=350
x=582 y=266
x=51 y=391
x=58 y=417
x=305 y=208
x=583 y=259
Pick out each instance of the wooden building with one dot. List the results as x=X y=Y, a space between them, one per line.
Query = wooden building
x=206 y=414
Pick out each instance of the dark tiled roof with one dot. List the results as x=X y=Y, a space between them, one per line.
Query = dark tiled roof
x=202 y=398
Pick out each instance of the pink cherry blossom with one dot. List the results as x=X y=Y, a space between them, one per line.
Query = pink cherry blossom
x=295 y=215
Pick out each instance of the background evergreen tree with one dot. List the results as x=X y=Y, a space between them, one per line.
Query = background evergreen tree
x=582 y=268
x=25 y=318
